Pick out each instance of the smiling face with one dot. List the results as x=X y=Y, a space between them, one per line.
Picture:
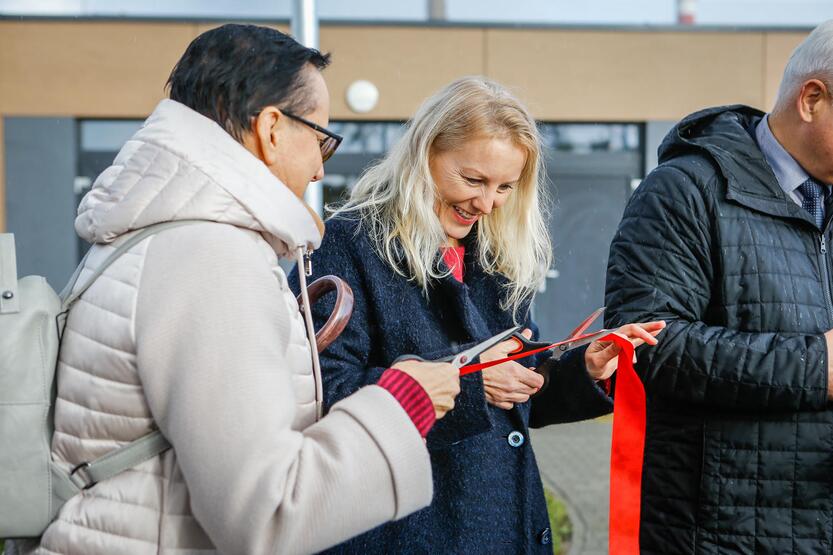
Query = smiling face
x=473 y=180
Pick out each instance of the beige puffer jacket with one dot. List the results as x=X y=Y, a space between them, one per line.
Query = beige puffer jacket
x=196 y=332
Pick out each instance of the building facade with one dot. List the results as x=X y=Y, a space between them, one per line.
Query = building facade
x=72 y=90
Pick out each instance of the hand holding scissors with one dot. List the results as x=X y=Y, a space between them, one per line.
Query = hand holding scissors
x=600 y=357
x=509 y=383
x=441 y=379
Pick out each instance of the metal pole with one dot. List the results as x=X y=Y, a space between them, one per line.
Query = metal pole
x=305 y=31
x=305 y=23
x=686 y=12
x=436 y=10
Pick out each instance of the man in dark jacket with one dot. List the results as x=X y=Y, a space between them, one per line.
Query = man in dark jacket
x=728 y=240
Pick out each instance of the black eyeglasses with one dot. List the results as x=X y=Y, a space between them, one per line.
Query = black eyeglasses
x=328 y=144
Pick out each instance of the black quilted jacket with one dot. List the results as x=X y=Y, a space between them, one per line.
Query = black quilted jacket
x=739 y=447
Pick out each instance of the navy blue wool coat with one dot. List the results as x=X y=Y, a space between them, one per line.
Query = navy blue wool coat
x=488 y=496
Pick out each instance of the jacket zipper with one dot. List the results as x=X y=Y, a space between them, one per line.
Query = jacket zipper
x=304 y=258
x=307 y=262
x=825 y=276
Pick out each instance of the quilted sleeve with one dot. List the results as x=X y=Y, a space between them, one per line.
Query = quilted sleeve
x=661 y=267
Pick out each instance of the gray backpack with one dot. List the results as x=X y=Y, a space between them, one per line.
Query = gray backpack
x=32 y=318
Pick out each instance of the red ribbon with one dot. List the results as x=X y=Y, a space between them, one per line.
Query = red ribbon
x=627 y=446
x=626 y=454
x=471 y=368
x=523 y=354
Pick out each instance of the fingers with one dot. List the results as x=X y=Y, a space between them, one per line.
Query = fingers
x=442 y=409
x=510 y=383
x=506 y=403
x=504 y=347
x=507 y=399
x=658 y=325
x=440 y=380
x=501 y=389
x=639 y=334
x=530 y=378
x=512 y=377
x=600 y=353
x=445 y=401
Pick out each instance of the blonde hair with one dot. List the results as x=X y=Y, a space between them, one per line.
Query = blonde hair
x=395 y=198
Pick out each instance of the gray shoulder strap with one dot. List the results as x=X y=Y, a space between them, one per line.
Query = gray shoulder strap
x=67 y=294
x=87 y=474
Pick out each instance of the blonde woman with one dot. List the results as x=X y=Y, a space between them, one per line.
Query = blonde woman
x=444 y=243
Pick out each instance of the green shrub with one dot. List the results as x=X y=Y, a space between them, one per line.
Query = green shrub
x=562 y=529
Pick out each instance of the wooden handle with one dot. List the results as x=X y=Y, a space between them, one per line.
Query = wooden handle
x=342 y=310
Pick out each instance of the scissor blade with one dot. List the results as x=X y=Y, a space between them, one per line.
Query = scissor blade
x=582 y=327
x=465 y=357
x=579 y=341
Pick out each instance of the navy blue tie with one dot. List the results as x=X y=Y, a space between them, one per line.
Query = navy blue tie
x=812 y=200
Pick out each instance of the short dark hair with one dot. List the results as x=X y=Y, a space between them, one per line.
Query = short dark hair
x=232 y=72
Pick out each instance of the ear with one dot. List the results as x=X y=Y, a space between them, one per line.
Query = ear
x=265 y=130
x=811 y=98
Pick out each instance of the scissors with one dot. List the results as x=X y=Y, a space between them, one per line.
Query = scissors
x=464 y=357
x=526 y=347
x=577 y=338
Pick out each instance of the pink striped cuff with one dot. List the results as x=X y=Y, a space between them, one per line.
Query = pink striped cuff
x=411 y=396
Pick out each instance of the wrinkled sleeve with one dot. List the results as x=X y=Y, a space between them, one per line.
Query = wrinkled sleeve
x=212 y=331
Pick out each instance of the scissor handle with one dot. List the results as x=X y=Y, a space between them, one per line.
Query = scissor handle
x=525 y=344
x=403 y=358
x=417 y=358
x=466 y=356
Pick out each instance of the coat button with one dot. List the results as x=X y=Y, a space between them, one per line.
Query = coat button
x=515 y=439
x=545 y=537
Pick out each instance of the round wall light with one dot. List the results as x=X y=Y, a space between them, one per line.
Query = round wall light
x=362 y=96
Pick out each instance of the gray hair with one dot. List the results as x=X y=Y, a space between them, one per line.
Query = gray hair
x=812 y=59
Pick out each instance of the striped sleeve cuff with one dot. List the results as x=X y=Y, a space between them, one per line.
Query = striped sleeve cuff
x=411 y=396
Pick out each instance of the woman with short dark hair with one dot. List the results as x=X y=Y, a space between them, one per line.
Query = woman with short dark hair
x=194 y=332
